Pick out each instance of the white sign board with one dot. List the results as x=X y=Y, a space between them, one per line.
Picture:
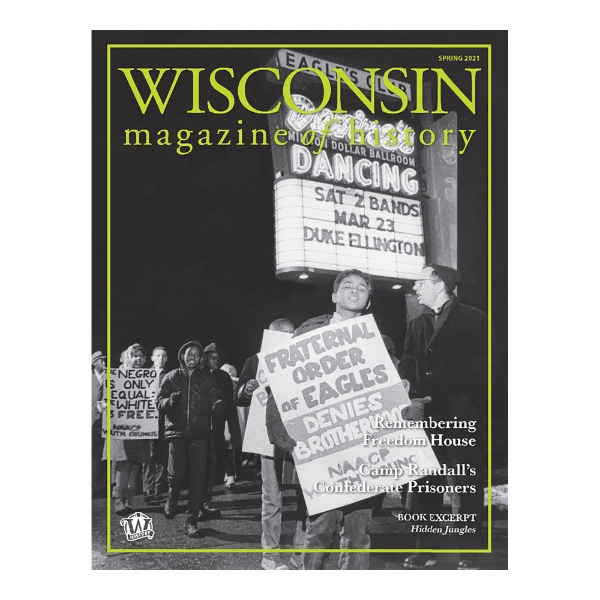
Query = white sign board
x=334 y=387
x=326 y=226
x=133 y=412
x=256 y=440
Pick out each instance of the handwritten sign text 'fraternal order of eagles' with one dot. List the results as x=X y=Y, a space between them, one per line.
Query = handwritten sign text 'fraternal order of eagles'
x=133 y=412
x=334 y=386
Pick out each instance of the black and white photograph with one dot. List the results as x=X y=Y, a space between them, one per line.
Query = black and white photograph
x=299 y=300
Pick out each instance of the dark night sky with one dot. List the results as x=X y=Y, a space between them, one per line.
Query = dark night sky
x=192 y=236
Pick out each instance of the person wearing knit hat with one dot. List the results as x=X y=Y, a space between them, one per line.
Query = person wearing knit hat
x=188 y=397
x=444 y=370
x=451 y=277
x=435 y=285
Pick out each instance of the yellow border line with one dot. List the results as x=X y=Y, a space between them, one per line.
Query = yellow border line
x=285 y=46
x=489 y=423
x=108 y=315
x=295 y=550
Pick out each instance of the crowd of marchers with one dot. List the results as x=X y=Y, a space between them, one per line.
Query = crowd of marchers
x=203 y=407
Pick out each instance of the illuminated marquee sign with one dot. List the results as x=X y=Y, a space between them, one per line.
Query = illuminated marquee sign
x=323 y=227
x=289 y=60
x=350 y=127
x=347 y=195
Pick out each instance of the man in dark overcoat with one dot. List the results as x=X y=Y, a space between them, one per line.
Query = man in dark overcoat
x=445 y=366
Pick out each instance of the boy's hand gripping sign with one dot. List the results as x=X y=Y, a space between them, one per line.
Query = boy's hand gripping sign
x=341 y=399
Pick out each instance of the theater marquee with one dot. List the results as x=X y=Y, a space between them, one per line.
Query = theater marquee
x=347 y=194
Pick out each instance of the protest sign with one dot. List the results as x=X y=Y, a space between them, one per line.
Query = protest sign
x=256 y=440
x=341 y=398
x=102 y=406
x=133 y=412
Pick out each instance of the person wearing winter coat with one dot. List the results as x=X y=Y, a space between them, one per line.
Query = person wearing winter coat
x=222 y=461
x=128 y=456
x=445 y=367
x=188 y=398
x=271 y=474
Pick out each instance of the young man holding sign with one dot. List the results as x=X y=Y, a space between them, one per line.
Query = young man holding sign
x=272 y=470
x=352 y=292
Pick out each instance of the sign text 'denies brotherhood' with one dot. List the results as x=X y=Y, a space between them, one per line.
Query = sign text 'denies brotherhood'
x=334 y=386
x=133 y=412
x=256 y=439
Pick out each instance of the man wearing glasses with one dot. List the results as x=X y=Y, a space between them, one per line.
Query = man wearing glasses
x=444 y=368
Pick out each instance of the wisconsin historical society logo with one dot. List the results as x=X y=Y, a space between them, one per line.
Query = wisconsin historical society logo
x=137 y=526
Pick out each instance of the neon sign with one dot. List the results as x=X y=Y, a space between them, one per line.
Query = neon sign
x=354 y=128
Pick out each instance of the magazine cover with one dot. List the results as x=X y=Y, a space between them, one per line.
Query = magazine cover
x=299 y=300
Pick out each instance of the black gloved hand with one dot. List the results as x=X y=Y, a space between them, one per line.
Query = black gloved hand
x=219 y=409
x=416 y=410
x=176 y=397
